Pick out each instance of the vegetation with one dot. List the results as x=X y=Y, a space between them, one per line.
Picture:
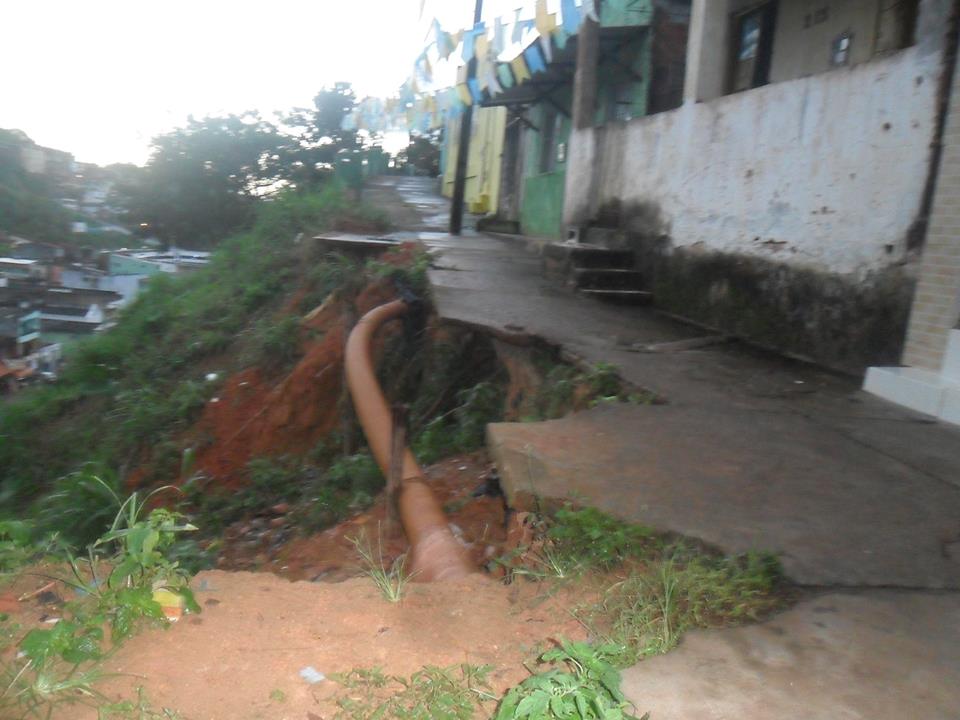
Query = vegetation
x=142 y=376
x=392 y=581
x=28 y=203
x=665 y=586
x=119 y=583
x=204 y=181
x=453 y=693
x=581 y=684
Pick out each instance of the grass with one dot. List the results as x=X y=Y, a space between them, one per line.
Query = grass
x=116 y=584
x=432 y=693
x=126 y=395
x=664 y=586
x=648 y=611
x=390 y=581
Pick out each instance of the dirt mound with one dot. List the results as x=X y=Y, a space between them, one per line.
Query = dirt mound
x=255 y=415
x=241 y=658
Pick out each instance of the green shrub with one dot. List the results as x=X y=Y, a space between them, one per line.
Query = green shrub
x=592 y=539
x=582 y=684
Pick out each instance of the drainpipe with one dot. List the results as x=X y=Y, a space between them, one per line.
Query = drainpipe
x=434 y=552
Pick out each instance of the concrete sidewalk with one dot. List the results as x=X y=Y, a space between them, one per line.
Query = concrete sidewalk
x=752 y=451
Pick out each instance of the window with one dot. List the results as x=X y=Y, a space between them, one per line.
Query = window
x=752 y=47
x=548 y=140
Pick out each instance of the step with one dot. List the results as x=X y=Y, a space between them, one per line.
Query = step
x=607 y=279
x=588 y=256
x=625 y=297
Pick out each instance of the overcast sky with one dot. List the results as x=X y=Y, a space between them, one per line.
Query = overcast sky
x=100 y=78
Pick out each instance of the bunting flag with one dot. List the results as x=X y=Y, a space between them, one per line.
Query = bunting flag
x=520 y=70
x=520 y=27
x=464 y=92
x=534 y=59
x=470 y=40
x=493 y=85
x=505 y=76
x=475 y=90
x=546 y=47
x=499 y=42
x=589 y=10
x=571 y=16
x=482 y=47
x=561 y=37
x=545 y=21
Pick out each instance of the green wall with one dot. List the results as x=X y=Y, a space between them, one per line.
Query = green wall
x=623 y=13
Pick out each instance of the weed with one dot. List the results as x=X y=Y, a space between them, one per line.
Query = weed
x=453 y=693
x=647 y=612
x=61 y=664
x=277 y=343
x=278 y=695
x=463 y=428
x=591 y=539
x=139 y=709
x=392 y=581
x=582 y=684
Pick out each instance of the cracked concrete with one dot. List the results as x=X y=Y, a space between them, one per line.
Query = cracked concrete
x=752 y=451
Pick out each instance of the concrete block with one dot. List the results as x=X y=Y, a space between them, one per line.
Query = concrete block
x=951 y=361
x=910 y=387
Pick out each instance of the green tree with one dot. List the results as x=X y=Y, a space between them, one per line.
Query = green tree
x=319 y=136
x=202 y=181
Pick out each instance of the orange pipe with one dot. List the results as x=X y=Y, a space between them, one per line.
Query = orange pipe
x=435 y=552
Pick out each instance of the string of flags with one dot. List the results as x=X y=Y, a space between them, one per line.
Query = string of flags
x=418 y=109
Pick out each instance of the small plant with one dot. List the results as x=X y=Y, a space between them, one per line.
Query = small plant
x=433 y=693
x=139 y=709
x=582 y=684
x=390 y=581
x=56 y=666
x=646 y=613
x=590 y=538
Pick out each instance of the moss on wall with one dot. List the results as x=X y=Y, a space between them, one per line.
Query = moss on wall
x=837 y=320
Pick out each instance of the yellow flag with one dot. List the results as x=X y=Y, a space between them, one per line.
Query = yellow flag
x=520 y=71
x=482 y=46
x=464 y=92
x=546 y=22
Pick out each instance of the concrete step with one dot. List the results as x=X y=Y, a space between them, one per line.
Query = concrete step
x=588 y=256
x=607 y=279
x=624 y=297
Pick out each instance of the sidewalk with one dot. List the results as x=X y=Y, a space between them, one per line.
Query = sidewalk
x=752 y=451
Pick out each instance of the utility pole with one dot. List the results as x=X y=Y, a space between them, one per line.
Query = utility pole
x=463 y=147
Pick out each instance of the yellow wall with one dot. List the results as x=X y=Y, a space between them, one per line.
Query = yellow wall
x=483 y=165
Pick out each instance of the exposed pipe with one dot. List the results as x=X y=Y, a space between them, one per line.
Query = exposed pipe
x=435 y=553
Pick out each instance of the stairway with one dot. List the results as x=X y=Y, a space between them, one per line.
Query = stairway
x=599 y=272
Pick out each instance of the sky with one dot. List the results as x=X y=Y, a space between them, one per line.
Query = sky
x=100 y=78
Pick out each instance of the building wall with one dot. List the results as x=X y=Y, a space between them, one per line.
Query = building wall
x=824 y=172
x=782 y=213
x=936 y=306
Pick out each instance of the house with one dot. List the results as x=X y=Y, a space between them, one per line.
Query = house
x=771 y=165
x=154 y=262
x=482 y=192
x=21 y=268
x=19 y=330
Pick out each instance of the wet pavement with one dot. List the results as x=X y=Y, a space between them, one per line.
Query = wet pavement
x=751 y=451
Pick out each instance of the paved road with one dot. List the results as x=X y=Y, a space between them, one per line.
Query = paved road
x=751 y=451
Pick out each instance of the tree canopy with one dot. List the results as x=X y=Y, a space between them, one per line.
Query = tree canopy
x=202 y=181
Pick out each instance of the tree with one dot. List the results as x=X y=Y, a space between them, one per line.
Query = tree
x=202 y=181
x=319 y=135
x=423 y=153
